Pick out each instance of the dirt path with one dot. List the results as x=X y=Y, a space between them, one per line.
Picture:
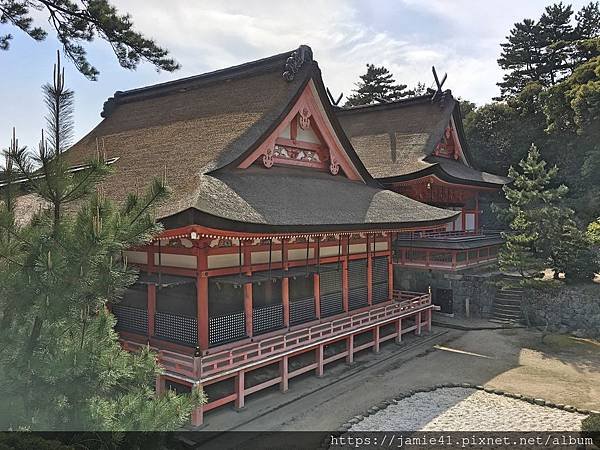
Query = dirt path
x=564 y=370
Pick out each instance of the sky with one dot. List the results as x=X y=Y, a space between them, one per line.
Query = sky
x=460 y=37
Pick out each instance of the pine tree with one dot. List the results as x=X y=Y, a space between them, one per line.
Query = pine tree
x=521 y=56
x=543 y=232
x=556 y=36
x=377 y=84
x=77 y=22
x=60 y=360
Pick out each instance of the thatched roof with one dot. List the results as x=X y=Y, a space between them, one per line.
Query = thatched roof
x=200 y=128
x=395 y=141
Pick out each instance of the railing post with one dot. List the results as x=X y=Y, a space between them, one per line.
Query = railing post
x=428 y=321
x=376 y=339
x=197 y=363
x=418 y=323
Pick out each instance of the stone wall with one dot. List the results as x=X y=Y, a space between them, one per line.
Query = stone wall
x=473 y=291
x=567 y=309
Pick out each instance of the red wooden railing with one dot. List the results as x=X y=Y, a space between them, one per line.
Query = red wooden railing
x=198 y=368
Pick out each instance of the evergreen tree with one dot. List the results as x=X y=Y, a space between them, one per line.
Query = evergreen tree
x=555 y=35
x=77 y=22
x=521 y=57
x=60 y=360
x=377 y=84
x=543 y=232
x=588 y=27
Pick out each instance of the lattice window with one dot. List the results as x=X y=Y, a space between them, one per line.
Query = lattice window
x=380 y=269
x=331 y=304
x=302 y=310
x=267 y=318
x=130 y=318
x=226 y=328
x=380 y=293
x=358 y=297
x=180 y=329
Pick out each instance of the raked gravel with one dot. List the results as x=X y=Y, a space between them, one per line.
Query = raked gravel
x=462 y=409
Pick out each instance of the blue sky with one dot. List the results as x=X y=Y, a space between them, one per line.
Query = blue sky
x=460 y=37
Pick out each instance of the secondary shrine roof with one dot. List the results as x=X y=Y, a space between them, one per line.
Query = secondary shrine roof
x=202 y=129
x=396 y=141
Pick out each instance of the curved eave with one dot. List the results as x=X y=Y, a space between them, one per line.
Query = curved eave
x=437 y=170
x=193 y=216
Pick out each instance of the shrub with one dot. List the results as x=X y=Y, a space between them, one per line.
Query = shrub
x=590 y=427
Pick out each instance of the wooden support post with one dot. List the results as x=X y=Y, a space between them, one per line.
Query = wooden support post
x=317 y=293
x=350 y=349
x=477 y=212
x=198 y=416
x=248 y=308
x=202 y=297
x=398 y=325
x=239 y=390
x=319 y=360
x=390 y=268
x=418 y=323
x=160 y=385
x=285 y=286
x=428 y=320
x=151 y=308
x=345 y=248
x=283 y=373
x=369 y=272
x=376 y=340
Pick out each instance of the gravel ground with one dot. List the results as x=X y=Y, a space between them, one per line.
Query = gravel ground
x=460 y=409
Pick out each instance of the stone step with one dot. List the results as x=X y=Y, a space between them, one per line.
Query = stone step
x=505 y=322
x=508 y=295
x=498 y=315
x=511 y=292
x=504 y=301
x=512 y=312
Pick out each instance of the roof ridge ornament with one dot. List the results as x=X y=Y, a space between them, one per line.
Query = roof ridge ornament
x=439 y=94
x=294 y=62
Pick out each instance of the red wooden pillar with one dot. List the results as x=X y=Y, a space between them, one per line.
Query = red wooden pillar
x=285 y=286
x=376 y=339
x=477 y=212
x=151 y=308
x=160 y=385
x=202 y=296
x=239 y=390
x=198 y=416
x=390 y=268
x=248 y=290
x=369 y=272
x=317 y=294
x=345 y=251
x=418 y=323
x=248 y=308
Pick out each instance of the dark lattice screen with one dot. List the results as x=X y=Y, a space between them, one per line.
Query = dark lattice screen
x=226 y=328
x=380 y=279
x=180 y=329
x=357 y=284
x=302 y=310
x=331 y=290
x=267 y=318
x=131 y=319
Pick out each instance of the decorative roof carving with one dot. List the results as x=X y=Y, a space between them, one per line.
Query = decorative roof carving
x=294 y=62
